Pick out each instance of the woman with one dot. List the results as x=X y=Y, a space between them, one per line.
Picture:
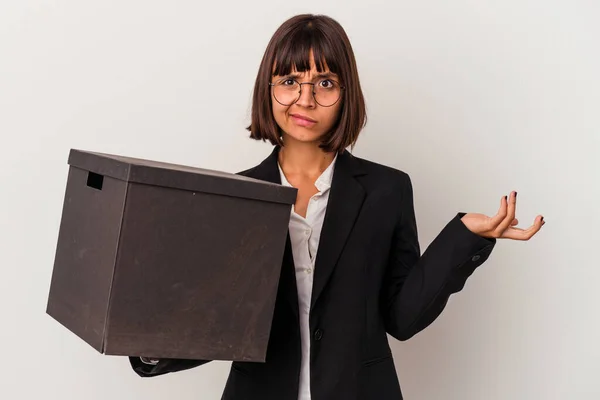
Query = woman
x=353 y=269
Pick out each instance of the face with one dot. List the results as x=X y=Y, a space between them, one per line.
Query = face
x=306 y=120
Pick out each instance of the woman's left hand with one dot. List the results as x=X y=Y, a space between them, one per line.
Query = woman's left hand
x=503 y=224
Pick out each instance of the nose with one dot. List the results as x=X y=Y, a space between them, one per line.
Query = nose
x=306 y=99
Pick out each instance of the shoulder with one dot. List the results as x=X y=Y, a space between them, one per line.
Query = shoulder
x=383 y=176
x=250 y=172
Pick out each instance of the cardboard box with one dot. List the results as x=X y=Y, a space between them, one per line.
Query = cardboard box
x=168 y=261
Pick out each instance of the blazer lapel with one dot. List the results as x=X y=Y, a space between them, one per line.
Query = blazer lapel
x=345 y=201
x=268 y=170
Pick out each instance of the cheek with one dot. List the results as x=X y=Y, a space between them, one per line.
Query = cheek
x=333 y=114
x=279 y=113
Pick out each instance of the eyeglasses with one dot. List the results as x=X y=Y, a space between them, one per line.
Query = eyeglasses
x=326 y=92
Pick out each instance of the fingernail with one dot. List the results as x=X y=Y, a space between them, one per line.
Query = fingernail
x=515 y=195
x=505 y=197
x=542 y=219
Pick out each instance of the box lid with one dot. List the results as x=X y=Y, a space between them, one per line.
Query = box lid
x=177 y=176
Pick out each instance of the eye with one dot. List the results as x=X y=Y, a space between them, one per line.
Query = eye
x=287 y=82
x=326 y=83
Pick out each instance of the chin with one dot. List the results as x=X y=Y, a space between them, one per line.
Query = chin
x=303 y=135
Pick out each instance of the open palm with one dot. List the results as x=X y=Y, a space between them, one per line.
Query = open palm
x=503 y=224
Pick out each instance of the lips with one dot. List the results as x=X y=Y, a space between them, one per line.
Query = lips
x=303 y=117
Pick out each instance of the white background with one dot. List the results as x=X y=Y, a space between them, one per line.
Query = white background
x=472 y=98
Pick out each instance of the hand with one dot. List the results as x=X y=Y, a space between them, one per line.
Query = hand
x=502 y=225
x=149 y=361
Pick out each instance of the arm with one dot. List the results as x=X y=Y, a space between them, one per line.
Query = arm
x=163 y=366
x=416 y=288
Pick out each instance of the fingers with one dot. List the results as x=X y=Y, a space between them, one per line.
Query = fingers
x=524 y=234
x=510 y=214
x=497 y=219
x=503 y=224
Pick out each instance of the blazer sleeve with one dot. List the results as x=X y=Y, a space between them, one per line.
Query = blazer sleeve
x=164 y=366
x=417 y=287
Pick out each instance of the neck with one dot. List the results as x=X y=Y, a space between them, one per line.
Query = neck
x=304 y=158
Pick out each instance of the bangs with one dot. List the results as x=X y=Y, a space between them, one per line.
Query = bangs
x=294 y=53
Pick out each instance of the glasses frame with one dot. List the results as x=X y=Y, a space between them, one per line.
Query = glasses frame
x=271 y=84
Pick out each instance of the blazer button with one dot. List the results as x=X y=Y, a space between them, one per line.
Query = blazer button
x=475 y=258
x=318 y=334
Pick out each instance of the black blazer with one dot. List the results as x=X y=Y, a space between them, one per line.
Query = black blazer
x=370 y=279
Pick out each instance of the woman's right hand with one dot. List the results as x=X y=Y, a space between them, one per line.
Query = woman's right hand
x=149 y=361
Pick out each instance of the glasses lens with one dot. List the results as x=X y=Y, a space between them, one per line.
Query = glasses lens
x=326 y=92
x=286 y=92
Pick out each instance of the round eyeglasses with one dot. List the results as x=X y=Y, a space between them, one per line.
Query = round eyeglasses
x=326 y=92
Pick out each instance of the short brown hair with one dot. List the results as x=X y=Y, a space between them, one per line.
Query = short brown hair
x=290 y=48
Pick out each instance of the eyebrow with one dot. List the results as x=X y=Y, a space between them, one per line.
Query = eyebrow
x=317 y=76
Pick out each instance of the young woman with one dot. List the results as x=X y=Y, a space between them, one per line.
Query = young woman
x=352 y=270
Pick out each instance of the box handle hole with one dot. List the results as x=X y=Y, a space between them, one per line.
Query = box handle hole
x=95 y=180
